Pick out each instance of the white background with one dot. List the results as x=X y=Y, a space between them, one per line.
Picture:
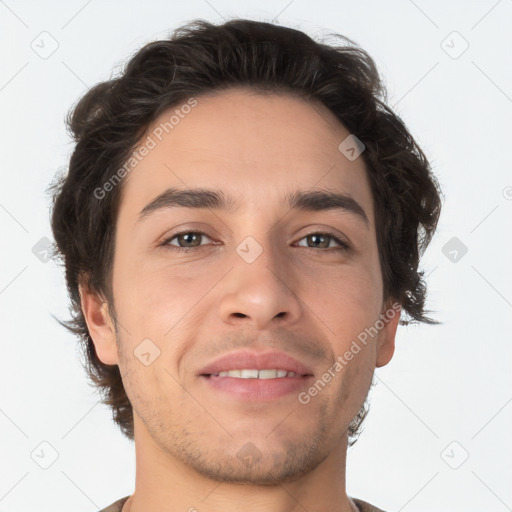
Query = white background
x=446 y=383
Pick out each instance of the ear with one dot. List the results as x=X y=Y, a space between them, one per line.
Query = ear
x=100 y=324
x=390 y=316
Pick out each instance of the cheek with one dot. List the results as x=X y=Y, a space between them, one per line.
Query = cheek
x=158 y=302
x=349 y=305
x=348 y=300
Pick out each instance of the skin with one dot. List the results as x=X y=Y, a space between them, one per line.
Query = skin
x=308 y=301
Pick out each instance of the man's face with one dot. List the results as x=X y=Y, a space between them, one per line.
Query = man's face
x=263 y=277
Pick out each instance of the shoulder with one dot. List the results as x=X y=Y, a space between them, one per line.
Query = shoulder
x=363 y=506
x=116 y=506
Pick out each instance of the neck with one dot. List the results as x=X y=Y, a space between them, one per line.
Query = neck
x=162 y=479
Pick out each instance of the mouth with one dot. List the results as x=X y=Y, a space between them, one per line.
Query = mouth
x=253 y=373
x=248 y=364
x=256 y=385
x=251 y=376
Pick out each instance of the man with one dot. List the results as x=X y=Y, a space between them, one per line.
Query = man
x=240 y=364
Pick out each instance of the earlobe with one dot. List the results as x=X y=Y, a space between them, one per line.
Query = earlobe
x=386 y=341
x=100 y=325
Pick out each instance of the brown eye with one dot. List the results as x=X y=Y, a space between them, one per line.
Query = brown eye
x=323 y=241
x=189 y=239
x=319 y=241
x=186 y=240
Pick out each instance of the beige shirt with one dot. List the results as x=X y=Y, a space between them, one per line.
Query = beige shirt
x=361 y=505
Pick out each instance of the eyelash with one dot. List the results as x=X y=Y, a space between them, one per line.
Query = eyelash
x=343 y=245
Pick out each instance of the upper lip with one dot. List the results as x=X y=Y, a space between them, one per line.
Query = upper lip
x=245 y=359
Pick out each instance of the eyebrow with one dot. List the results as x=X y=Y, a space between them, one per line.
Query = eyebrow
x=315 y=200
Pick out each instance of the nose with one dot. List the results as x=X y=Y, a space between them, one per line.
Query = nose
x=261 y=294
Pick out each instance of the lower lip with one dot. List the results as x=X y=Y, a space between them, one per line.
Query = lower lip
x=258 y=389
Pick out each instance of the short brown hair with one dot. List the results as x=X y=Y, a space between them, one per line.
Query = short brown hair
x=200 y=57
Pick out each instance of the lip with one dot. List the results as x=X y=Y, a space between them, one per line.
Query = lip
x=257 y=390
x=246 y=359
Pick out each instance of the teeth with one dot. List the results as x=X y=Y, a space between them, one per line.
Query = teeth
x=256 y=374
x=248 y=374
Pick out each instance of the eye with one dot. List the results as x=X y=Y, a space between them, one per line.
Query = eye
x=318 y=240
x=186 y=237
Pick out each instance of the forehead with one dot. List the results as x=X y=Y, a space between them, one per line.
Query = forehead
x=257 y=148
